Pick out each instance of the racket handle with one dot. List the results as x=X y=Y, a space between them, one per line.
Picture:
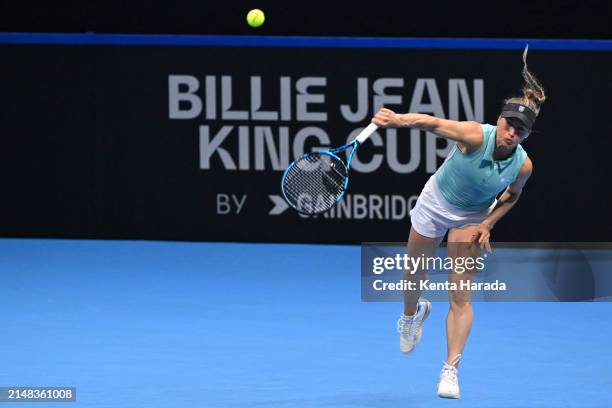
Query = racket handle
x=365 y=133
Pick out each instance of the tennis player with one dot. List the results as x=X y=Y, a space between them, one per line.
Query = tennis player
x=461 y=199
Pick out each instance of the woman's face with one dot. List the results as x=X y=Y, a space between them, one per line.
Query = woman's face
x=510 y=132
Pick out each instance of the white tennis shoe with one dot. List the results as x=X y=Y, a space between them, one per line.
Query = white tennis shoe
x=410 y=328
x=448 y=386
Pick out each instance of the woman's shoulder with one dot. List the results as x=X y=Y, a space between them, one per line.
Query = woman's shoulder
x=481 y=139
x=522 y=154
x=488 y=129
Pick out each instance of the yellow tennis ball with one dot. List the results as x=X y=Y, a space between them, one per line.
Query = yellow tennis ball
x=255 y=17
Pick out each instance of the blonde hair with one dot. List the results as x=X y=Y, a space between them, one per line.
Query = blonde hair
x=533 y=92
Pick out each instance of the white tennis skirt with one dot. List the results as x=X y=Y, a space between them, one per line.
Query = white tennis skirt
x=432 y=216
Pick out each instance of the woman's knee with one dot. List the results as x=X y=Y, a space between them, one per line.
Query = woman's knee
x=460 y=303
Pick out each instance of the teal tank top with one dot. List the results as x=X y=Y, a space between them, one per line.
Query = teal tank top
x=471 y=182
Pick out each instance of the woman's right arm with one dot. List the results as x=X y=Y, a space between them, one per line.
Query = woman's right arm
x=467 y=133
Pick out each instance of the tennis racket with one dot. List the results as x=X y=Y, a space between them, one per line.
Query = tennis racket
x=315 y=182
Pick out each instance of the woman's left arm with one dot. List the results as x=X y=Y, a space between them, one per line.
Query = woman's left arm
x=507 y=200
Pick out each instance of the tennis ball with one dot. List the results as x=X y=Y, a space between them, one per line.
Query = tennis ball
x=255 y=17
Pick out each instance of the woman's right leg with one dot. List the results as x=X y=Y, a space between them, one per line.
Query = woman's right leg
x=418 y=246
x=410 y=323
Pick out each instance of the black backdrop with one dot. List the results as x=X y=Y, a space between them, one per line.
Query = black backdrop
x=442 y=18
x=90 y=150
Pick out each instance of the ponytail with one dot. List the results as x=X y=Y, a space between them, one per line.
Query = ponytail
x=533 y=92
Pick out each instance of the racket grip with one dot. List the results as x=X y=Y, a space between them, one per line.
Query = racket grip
x=365 y=133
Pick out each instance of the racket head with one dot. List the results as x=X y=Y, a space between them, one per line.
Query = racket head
x=315 y=182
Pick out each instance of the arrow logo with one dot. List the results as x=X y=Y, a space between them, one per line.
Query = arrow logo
x=280 y=205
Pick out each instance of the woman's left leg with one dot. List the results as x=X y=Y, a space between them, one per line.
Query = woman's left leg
x=460 y=316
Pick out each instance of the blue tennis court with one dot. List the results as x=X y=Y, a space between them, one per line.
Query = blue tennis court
x=161 y=324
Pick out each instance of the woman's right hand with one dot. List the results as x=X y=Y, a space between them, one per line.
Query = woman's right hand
x=386 y=118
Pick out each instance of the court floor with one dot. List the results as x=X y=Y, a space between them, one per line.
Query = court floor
x=161 y=324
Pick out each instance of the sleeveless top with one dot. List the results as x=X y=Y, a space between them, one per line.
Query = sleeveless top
x=471 y=182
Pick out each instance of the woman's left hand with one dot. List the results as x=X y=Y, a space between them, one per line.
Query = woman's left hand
x=482 y=235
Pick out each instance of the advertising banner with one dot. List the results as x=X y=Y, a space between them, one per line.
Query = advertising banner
x=190 y=142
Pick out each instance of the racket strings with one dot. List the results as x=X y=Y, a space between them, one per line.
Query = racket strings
x=314 y=183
